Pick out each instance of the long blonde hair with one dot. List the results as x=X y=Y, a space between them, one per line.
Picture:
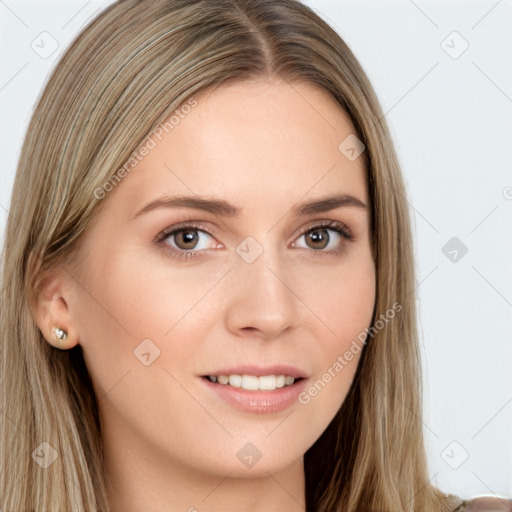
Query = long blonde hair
x=133 y=65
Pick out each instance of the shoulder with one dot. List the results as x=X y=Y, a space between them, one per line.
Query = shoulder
x=488 y=504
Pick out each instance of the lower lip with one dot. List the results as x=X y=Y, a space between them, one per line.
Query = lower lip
x=258 y=402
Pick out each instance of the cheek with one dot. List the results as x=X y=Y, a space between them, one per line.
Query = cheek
x=343 y=298
x=130 y=300
x=351 y=304
x=345 y=306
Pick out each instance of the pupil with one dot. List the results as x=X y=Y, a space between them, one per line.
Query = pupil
x=322 y=239
x=189 y=237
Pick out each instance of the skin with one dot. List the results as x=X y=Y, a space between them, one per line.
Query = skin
x=171 y=445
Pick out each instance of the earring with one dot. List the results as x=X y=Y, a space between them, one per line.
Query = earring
x=60 y=334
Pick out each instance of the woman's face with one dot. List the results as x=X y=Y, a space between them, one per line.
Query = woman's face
x=251 y=286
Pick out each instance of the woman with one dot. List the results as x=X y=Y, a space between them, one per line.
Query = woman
x=202 y=306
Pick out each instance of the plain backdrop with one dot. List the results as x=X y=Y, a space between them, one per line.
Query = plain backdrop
x=442 y=71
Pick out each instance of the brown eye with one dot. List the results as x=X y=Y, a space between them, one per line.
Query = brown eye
x=186 y=238
x=185 y=241
x=327 y=237
x=317 y=238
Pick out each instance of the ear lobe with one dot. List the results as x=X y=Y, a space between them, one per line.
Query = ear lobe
x=51 y=311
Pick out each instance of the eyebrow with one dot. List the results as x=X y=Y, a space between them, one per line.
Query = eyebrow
x=226 y=209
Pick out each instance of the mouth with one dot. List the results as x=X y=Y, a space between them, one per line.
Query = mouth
x=272 y=390
x=254 y=382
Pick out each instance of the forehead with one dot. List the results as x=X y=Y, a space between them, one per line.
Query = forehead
x=248 y=139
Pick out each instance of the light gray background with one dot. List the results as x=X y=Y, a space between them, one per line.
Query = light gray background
x=450 y=114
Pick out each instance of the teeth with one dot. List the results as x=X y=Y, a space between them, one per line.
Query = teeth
x=235 y=380
x=248 y=381
x=251 y=382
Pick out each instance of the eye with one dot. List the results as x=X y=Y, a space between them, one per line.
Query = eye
x=184 y=240
x=318 y=238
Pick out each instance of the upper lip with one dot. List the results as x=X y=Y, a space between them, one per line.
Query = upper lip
x=259 y=371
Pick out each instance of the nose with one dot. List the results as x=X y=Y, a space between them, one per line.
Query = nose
x=261 y=300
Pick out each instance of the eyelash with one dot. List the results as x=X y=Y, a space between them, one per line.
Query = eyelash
x=336 y=226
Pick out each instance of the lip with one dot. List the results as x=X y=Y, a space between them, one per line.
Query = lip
x=260 y=371
x=257 y=402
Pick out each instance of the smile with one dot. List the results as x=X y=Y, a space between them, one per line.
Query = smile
x=253 y=382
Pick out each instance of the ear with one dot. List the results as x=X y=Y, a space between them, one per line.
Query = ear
x=51 y=310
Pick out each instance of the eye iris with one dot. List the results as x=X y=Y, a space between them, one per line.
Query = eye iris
x=188 y=236
x=320 y=241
